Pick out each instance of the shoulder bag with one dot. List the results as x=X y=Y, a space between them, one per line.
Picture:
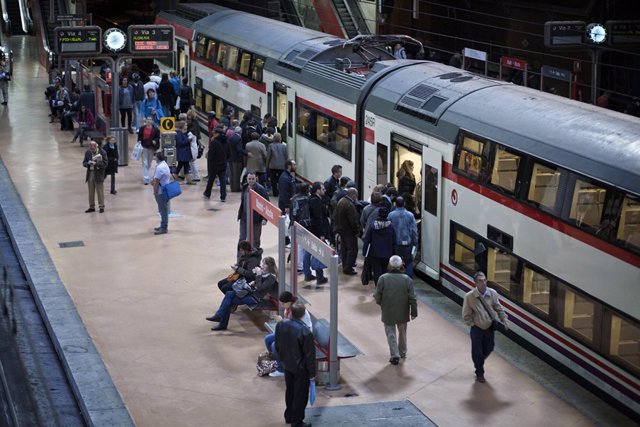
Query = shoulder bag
x=171 y=190
x=496 y=325
x=242 y=288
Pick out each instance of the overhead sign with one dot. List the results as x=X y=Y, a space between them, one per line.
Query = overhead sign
x=151 y=38
x=623 y=32
x=564 y=33
x=79 y=40
x=268 y=211
x=167 y=124
x=75 y=17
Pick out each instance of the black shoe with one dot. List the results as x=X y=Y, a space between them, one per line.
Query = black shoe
x=114 y=192
x=131 y=131
x=213 y=318
x=480 y=379
x=205 y=196
x=90 y=210
x=4 y=103
x=394 y=360
x=219 y=328
x=146 y=183
x=350 y=272
x=322 y=281
x=310 y=278
x=160 y=231
x=222 y=200
x=101 y=210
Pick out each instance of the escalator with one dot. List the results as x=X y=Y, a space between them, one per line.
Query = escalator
x=11 y=18
x=45 y=7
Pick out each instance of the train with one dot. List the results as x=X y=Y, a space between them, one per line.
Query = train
x=540 y=192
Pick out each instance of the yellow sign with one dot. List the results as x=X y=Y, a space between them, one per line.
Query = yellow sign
x=167 y=124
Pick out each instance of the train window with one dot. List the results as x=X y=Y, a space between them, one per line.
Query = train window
x=470 y=160
x=543 y=188
x=211 y=51
x=629 y=224
x=306 y=122
x=505 y=169
x=579 y=314
x=536 y=290
x=586 y=206
x=502 y=270
x=343 y=140
x=231 y=61
x=201 y=41
x=198 y=99
x=219 y=107
x=222 y=54
x=324 y=134
x=208 y=102
x=624 y=342
x=324 y=130
x=245 y=64
x=462 y=250
x=382 y=167
x=256 y=71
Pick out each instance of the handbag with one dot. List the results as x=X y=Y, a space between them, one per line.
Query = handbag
x=242 y=288
x=171 y=190
x=137 y=152
x=200 y=150
x=232 y=277
x=266 y=364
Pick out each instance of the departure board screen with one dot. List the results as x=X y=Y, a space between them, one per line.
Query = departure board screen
x=151 y=38
x=81 y=40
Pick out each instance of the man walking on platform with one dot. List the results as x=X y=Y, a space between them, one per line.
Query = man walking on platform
x=294 y=344
x=397 y=299
x=479 y=310
x=258 y=220
x=149 y=138
x=347 y=227
x=404 y=224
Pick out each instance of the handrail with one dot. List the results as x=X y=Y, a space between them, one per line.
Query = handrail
x=6 y=21
x=25 y=17
x=42 y=31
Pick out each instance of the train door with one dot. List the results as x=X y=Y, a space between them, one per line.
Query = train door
x=431 y=209
x=291 y=122
x=182 y=59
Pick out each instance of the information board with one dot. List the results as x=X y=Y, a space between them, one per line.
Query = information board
x=80 y=40
x=623 y=32
x=150 y=38
x=564 y=33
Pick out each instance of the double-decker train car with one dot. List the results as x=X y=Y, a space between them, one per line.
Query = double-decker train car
x=540 y=192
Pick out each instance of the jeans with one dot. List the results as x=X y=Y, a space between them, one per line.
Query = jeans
x=136 y=114
x=306 y=267
x=147 y=158
x=163 y=209
x=404 y=252
x=230 y=298
x=270 y=343
x=482 y=343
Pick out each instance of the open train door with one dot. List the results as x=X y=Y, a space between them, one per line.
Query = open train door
x=291 y=122
x=431 y=212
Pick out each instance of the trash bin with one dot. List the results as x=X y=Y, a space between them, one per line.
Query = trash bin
x=122 y=140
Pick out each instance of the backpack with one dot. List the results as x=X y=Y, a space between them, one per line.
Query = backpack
x=266 y=364
x=185 y=95
x=300 y=211
x=139 y=91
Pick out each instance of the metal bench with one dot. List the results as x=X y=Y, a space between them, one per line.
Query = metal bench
x=321 y=331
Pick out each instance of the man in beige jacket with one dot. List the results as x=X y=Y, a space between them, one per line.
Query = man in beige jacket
x=480 y=307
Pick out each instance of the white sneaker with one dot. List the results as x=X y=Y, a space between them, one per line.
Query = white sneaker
x=276 y=374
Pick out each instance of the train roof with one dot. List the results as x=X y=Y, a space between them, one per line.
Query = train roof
x=439 y=100
x=264 y=36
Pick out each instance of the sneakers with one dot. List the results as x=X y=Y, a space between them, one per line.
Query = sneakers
x=160 y=231
x=276 y=374
x=394 y=360
x=90 y=210
x=480 y=379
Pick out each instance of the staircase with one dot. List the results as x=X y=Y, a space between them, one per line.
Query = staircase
x=44 y=6
x=344 y=15
x=14 y=26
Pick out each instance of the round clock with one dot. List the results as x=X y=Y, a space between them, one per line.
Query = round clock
x=114 y=39
x=596 y=33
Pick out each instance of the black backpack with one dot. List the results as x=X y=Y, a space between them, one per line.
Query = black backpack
x=139 y=91
x=300 y=211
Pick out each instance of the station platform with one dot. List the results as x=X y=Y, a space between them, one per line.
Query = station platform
x=144 y=298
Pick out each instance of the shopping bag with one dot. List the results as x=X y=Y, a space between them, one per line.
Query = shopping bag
x=137 y=152
x=312 y=392
x=171 y=190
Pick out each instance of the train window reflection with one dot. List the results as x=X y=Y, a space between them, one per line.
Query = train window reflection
x=200 y=44
x=231 y=61
x=544 y=186
x=502 y=270
x=222 y=54
x=343 y=140
x=536 y=290
x=211 y=51
x=624 y=343
x=208 y=102
x=587 y=204
x=219 y=107
x=463 y=251
x=505 y=170
x=471 y=157
x=245 y=64
x=629 y=225
x=305 y=122
x=198 y=97
x=579 y=315
x=256 y=72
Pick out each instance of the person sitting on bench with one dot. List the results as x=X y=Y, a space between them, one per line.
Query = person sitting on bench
x=265 y=283
x=248 y=259
x=86 y=123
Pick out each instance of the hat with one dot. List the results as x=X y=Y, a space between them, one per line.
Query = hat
x=383 y=213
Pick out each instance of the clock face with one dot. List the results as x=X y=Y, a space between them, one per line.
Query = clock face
x=114 y=39
x=597 y=33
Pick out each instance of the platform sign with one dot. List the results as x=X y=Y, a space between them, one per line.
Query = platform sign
x=151 y=38
x=167 y=124
x=80 y=18
x=79 y=40
x=564 y=33
x=623 y=32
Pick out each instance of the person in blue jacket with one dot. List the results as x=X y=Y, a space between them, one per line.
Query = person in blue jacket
x=151 y=107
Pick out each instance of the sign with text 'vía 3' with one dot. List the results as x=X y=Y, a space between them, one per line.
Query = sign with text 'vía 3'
x=167 y=124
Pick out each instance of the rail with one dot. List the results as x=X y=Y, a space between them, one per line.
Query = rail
x=25 y=17
x=6 y=21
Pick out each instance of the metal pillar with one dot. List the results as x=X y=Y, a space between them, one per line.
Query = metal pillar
x=334 y=380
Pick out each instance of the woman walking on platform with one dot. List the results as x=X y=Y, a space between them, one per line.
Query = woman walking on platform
x=111 y=148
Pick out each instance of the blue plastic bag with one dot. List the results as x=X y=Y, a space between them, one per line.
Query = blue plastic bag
x=312 y=392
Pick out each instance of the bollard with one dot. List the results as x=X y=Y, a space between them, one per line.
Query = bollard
x=122 y=140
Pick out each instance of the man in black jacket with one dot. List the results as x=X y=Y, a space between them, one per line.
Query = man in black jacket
x=294 y=344
x=217 y=158
x=318 y=224
x=258 y=220
x=237 y=154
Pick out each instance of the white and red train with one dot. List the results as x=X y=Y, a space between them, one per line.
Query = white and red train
x=541 y=192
